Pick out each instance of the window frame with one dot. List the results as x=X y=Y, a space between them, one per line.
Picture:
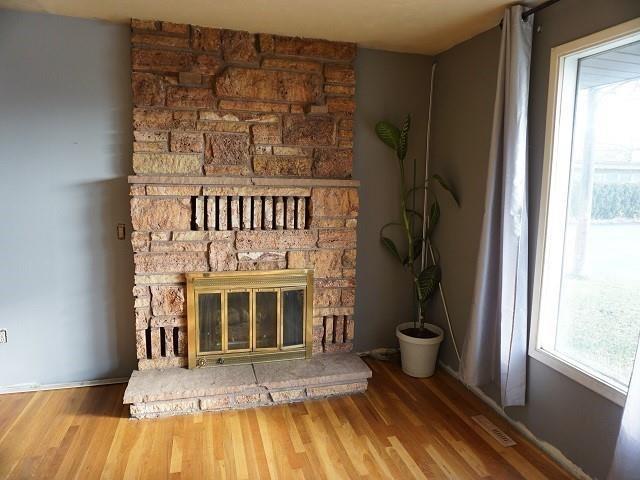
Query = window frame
x=563 y=69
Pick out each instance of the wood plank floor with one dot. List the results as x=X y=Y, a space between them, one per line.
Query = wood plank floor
x=401 y=428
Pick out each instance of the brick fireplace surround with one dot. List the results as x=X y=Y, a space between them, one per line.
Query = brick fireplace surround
x=243 y=148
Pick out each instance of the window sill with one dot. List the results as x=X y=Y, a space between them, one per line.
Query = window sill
x=580 y=375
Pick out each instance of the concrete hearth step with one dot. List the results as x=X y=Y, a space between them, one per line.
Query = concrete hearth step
x=176 y=391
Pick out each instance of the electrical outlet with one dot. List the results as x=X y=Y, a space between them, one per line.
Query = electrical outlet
x=3 y=336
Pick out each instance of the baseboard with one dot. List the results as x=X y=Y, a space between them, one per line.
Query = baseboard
x=36 y=387
x=546 y=447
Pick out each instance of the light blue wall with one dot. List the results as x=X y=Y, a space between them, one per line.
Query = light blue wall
x=65 y=140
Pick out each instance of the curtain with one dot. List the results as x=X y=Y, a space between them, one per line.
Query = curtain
x=626 y=460
x=495 y=348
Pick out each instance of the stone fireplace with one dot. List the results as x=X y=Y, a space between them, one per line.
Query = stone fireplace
x=243 y=148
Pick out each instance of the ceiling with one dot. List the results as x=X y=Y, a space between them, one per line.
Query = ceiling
x=417 y=26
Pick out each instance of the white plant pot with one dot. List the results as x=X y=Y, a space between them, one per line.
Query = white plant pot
x=419 y=355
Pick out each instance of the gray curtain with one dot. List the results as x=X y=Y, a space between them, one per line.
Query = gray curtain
x=626 y=461
x=495 y=349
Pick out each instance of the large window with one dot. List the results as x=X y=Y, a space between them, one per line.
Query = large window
x=586 y=305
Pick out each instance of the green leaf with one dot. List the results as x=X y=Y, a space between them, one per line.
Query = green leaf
x=403 y=143
x=389 y=134
x=446 y=187
x=428 y=282
x=391 y=247
x=434 y=216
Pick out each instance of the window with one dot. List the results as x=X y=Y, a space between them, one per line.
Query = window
x=586 y=303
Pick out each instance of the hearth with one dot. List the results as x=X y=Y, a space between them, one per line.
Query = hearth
x=249 y=317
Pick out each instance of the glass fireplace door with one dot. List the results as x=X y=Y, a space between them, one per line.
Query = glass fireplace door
x=249 y=317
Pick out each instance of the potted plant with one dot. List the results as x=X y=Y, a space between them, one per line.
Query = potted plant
x=419 y=340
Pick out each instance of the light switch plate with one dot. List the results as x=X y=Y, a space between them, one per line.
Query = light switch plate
x=3 y=336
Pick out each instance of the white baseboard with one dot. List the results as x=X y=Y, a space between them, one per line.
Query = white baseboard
x=36 y=387
x=546 y=447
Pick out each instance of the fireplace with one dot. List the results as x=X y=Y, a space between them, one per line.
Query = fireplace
x=242 y=154
x=249 y=317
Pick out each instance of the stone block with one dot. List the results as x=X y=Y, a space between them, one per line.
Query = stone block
x=174 y=246
x=269 y=85
x=338 y=347
x=159 y=41
x=327 y=222
x=180 y=383
x=168 y=300
x=141 y=344
x=184 y=120
x=191 y=78
x=278 y=210
x=288 y=395
x=140 y=241
x=155 y=342
x=137 y=24
x=256 y=256
x=207 y=65
x=349 y=258
x=148 y=89
x=174 y=190
x=222 y=257
x=158 y=279
x=239 y=46
x=142 y=302
x=171 y=262
x=348 y=298
x=306 y=47
x=266 y=133
x=160 y=60
x=339 y=73
x=339 y=90
x=334 y=202
x=330 y=390
x=332 y=163
x=320 y=370
x=177 y=28
x=326 y=263
x=226 y=149
x=157 y=213
x=275 y=240
x=250 y=106
x=150 y=146
x=152 y=119
x=166 y=408
x=337 y=238
x=169 y=321
x=292 y=64
x=166 y=163
x=349 y=329
x=216 y=402
x=265 y=43
x=312 y=130
x=190 y=97
x=337 y=104
x=279 y=166
x=203 y=38
x=161 y=363
x=142 y=318
x=326 y=297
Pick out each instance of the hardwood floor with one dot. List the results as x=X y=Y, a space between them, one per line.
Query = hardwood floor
x=401 y=428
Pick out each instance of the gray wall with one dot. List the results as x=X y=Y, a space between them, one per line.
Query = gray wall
x=389 y=85
x=579 y=422
x=65 y=139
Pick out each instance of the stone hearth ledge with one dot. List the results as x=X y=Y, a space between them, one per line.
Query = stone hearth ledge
x=179 y=391
x=242 y=181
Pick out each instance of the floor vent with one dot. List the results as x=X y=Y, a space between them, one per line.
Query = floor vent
x=487 y=425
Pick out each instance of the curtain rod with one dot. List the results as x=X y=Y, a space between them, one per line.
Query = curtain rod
x=537 y=8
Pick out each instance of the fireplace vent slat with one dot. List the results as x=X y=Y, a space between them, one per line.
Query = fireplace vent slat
x=244 y=212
